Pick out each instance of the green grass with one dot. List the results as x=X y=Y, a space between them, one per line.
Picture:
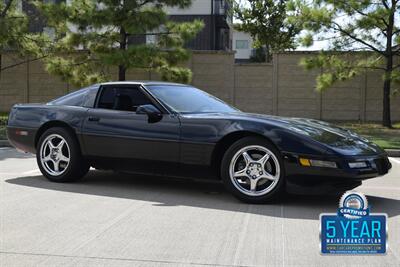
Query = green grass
x=384 y=137
x=3 y=120
x=3 y=135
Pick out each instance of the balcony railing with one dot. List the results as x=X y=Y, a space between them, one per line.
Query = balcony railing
x=221 y=7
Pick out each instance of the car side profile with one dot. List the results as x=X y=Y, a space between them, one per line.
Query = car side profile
x=177 y=130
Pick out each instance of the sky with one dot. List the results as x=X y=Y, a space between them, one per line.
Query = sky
x=318 y=45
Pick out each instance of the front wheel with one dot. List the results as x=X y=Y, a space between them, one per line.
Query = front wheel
x=252 y=170
x=59 y=157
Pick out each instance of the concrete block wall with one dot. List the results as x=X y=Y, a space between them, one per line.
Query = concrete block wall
x=253 y=88
x=214 y=73
x=344 y=101
x=374 y=98
x=13 y=82
x=294 y=86
x=280 y=88
x=43 y=87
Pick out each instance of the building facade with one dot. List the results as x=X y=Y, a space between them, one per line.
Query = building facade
x=242 y=44
x=217 y=18
x=216 y=15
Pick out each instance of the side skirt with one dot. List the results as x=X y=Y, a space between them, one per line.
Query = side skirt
x=157 y=168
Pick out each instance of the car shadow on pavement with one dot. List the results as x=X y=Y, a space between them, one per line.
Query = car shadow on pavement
x=162 y=191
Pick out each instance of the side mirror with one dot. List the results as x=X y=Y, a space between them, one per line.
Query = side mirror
x=151 y=111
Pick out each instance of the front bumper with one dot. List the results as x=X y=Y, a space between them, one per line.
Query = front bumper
x=341 y=178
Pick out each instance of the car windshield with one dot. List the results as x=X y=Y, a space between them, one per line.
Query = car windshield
x=187 y=99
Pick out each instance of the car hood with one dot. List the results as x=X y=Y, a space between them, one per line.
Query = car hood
x=336 y=139
x=339 y=140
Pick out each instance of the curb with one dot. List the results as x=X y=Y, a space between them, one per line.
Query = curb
x=393 y=152
x=390 y=152
x=5 y=143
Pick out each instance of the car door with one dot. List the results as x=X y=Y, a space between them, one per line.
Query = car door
x=114 y=134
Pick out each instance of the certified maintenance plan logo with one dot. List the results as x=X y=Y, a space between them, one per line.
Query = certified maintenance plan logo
x=353 y=230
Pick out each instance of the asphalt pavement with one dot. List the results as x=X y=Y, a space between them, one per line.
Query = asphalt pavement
x=110 y=219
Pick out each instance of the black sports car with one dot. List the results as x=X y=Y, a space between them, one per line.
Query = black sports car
x=179 y=131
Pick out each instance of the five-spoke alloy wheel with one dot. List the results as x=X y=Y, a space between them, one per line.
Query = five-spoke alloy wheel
x=251 y=170
x=55 y=154
x=59 y=157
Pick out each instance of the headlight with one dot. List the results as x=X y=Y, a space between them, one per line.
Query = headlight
x=317 y=163
x=358 y=165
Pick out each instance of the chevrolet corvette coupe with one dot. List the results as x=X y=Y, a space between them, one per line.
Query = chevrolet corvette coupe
x=177 y=130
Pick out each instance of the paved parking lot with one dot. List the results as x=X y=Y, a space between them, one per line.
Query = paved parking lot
x=110 y=219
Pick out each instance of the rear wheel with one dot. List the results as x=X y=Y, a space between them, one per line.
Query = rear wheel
x=59 y=157
x=252 y=170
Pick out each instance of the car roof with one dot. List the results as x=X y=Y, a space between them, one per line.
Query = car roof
x=144 y=83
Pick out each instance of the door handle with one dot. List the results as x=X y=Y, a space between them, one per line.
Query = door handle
x=93 y=119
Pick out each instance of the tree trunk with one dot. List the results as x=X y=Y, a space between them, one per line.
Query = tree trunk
x=121 y=73
x=122 y=46
x=386 y=119
x=268 y=54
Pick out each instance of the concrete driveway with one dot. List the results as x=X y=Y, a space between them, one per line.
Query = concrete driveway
x=110 y=219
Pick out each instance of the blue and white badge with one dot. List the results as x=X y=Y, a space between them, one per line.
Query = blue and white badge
x=353 y=229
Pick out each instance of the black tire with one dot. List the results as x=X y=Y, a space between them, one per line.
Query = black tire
x=77 y=166
x=278 y=189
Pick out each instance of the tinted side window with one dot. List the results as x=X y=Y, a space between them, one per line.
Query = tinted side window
x=122 y=98
x=73 y=99
x=90 y=97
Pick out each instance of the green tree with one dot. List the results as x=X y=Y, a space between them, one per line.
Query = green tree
x=15 y=35
x=102 y=30
x=353 y=25
x=265 y=21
